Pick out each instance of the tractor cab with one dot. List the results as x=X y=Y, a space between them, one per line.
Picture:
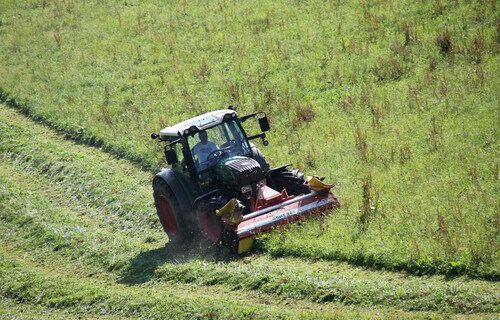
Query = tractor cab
x=204 y=142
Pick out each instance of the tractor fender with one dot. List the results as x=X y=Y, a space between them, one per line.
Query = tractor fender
x=260 y=158
x=176 y=186
x=205 y=196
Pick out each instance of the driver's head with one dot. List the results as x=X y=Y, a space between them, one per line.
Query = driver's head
x=203 y=137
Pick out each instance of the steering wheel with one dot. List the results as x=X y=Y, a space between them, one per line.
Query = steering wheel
x=217 y=153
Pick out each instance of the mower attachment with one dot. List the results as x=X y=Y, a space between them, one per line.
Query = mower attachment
x=292 y=208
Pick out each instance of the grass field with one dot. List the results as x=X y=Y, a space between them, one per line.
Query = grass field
x=395 y=102
x=67 y=252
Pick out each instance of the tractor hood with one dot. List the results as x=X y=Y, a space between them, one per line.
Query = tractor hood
x=240 y=171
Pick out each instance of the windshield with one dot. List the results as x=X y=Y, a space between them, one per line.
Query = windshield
x=210 y=146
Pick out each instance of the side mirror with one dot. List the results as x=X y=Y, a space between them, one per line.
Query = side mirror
x=171 y=156
x=264 y=124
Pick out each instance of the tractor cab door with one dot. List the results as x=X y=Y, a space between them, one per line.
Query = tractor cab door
x=179 y=166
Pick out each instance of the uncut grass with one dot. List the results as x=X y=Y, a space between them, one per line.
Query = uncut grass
x=398 y=107
x=416 y=196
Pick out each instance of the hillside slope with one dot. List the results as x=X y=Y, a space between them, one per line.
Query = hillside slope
x=73 y=246
x=396 y=102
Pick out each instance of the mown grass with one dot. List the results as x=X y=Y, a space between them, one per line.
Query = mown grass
x=288 y=283
x=59 y=252
x=90 y=298
x=396 y=102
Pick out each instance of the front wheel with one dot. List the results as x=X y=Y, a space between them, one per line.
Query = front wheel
x=210 y=224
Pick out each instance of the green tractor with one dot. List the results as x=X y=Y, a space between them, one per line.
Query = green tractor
x=219 y=186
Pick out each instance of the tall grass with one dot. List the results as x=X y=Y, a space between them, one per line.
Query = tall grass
x=396 y=102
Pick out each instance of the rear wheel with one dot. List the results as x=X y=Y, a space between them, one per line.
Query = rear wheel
x=168 y=211
x=210 y=224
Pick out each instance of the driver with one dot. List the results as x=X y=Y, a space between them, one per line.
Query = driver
x=203 y=148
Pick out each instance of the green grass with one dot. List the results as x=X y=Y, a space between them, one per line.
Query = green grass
x=93 y=298
x=57 y=231
x=396 y=102
x=62 y=256
x=402 y=105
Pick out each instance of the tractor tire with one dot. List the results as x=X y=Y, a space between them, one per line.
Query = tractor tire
x=210 y=224
x=292 y=180
x=171 y=217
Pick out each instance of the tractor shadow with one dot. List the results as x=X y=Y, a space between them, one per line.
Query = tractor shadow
x=142 y=268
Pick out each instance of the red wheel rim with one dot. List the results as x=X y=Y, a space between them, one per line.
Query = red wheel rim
x=210 y=226
x=167 y=216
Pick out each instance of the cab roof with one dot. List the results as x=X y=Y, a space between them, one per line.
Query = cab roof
x=195 y=124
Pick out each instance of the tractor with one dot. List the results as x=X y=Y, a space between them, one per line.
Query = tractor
x=219 y=186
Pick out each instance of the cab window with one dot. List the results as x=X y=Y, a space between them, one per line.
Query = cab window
x=210 y=146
